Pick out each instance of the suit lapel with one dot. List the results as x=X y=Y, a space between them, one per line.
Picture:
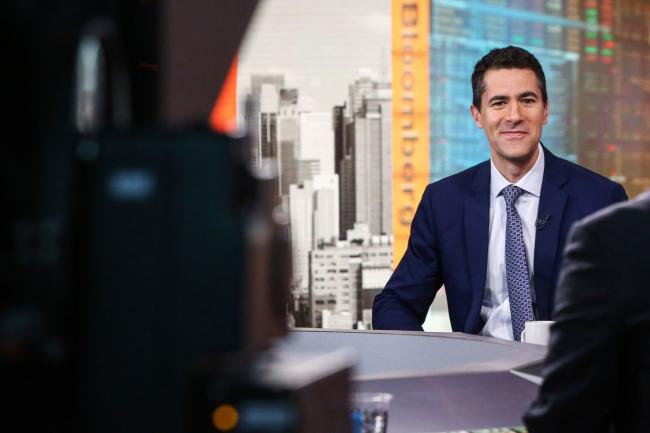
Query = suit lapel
x=551 y=209
x=476 y=223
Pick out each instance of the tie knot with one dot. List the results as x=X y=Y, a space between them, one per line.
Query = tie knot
x=511 y=193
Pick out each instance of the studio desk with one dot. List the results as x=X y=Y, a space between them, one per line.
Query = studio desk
x=440 y=381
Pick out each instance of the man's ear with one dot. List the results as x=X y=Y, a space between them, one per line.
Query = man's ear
x=476 y=115
x=547 y=110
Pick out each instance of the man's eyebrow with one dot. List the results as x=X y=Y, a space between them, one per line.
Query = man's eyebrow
x=528 y=95
x=497 y=98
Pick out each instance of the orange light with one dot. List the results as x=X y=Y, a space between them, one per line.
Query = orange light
x=225 y=417
x=224 y=113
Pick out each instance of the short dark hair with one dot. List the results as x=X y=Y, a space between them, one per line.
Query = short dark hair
x=505 y=58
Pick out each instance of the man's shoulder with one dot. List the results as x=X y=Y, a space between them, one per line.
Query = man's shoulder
x=462 y=180
x=580 y=175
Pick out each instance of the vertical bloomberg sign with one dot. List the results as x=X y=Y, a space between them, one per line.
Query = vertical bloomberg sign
x=410 y=88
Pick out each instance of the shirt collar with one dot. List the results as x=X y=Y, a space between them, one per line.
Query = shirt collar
x=531 y=182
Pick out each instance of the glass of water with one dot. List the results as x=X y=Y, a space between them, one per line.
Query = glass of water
x=370 y=412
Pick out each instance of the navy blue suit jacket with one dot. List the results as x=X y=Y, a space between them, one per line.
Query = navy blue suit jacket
x=449 y=243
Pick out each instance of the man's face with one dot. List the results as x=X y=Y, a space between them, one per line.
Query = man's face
x=512 y=114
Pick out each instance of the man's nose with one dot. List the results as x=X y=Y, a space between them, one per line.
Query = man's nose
x=514 y=113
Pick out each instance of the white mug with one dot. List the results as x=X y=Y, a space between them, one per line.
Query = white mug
x=537 y=332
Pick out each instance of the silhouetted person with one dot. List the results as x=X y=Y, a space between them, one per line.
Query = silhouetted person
x=597 y=373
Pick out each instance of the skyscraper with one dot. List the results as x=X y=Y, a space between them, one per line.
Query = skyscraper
x=268 y=106
x=261 y=116
x=343 y=126
x=301 y=206
x=316 y=142
x=288 y=136
x=326 y=209
x=363 y=87
x=313 y=213
x=372 y=158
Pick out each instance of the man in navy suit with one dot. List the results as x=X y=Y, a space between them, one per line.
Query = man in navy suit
x=494 y=233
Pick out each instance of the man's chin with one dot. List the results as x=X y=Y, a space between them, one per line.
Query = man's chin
x=518 y=155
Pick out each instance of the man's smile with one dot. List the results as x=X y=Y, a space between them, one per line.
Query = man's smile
x=514 y=135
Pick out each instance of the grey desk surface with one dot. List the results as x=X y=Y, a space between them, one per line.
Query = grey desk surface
x=381 y=354
x=441 y=381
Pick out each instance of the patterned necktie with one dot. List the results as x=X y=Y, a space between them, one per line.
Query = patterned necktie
x=517 y=278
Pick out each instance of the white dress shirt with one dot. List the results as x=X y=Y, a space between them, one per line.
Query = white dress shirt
x=496 y=304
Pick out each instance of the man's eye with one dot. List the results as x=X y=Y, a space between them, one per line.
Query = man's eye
x=529 y=101
x=498 y=104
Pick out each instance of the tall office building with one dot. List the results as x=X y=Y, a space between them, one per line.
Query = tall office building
x=301 y=229
x=326 y=209
x=383 y=104
x=339 y=119
x=306 y=142
x=261 y=122
x=347 y=194
x=313 y=213
x=364 y=86
x=372 y=160
x=343 y=127
x=267 y=136
x=316 y=142
x=268 y=106
x=288 y=135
